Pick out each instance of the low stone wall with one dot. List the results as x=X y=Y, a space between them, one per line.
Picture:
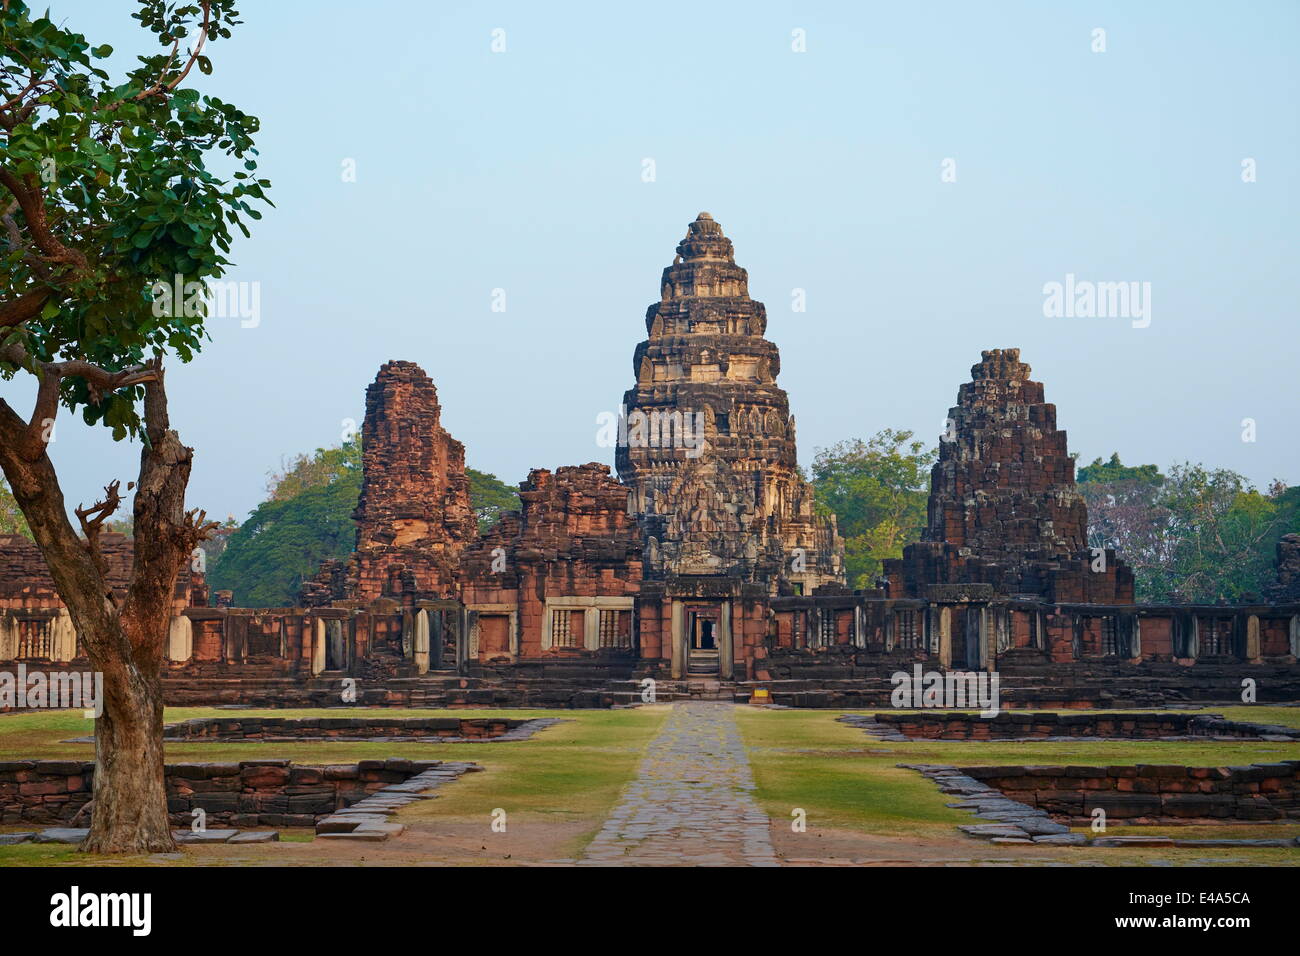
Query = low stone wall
x=854 y=680
x=341 y=728
x=1153 y=793
x=250 y=793
x=431 y=691
x=1018 y=726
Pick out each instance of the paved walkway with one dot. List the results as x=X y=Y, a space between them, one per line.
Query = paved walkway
x=691 y=803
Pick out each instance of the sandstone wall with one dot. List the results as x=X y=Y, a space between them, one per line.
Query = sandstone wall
x=1153 y=793
x=1018 y=726
x=251 y=793
x=572 y=550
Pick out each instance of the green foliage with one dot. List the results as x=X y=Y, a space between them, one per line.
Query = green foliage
x=285 y=540
x=878 y=491
x=119 y=196
x=1115 y=471
x=11 y=519
x=490 y=497
x=314 y=471
x=1196 y=535
x=1222 y=533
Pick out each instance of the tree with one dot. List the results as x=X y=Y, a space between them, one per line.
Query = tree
x=106 y=200
x=306 y=519
x=316 y=470
x=1223 y=532
x=11 y=518
x=1115 y=470
x=285 y=541
x=1195 y=535
x=878 y=490
x=490 y=497
x=1126 y=513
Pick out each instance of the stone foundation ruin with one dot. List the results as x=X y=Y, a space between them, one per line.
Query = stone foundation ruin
x=1073 y=726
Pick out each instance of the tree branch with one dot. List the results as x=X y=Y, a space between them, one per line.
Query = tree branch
x=92 y=523
x=99 y=382
x=162 y=86
x=30 y=200
x=14 y=312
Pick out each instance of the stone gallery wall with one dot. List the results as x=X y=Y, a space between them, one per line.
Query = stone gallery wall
x=1153 y=793
x=251 y=793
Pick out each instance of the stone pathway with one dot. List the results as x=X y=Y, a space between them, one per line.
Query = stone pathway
x=691 y=803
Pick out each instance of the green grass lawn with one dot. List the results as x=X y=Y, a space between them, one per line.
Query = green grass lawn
x=574 y=772
x=846 y=779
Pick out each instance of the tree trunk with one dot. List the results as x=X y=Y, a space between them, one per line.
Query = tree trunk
x=125 y=641
x=130 y=798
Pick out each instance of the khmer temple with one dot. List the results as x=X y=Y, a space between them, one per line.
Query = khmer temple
x=701 y=562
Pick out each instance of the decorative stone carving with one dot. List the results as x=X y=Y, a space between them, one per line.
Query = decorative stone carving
x=734 y=503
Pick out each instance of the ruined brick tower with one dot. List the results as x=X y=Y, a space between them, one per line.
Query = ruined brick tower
x=709 y=454
x=1003 y=508
x=414 y=516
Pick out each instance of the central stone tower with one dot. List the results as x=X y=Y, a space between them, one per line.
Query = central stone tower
x=709 y=446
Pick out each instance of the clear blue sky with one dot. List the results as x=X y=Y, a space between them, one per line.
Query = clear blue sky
x=522 y=170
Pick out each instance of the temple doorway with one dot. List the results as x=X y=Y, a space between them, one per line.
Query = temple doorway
x=702 y=639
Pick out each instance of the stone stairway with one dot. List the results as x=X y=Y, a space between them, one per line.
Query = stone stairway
x=702 y=663
x=367 y=819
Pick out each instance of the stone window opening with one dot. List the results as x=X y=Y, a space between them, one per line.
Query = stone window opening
x=561 y=628
x=905 y=630
x=1109 y=637
x=615 y=629
x=827 y=627
x=1215 y=637
x=34 y=641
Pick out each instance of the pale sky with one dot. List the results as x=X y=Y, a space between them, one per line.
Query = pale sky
x=522 y=170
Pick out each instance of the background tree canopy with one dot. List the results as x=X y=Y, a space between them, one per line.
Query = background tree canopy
x=1196 y=534
x=11 y=518
x=878 y=490
x=490 y=497
x=307 y=519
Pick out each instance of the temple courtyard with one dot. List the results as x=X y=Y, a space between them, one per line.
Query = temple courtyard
x=690 y=783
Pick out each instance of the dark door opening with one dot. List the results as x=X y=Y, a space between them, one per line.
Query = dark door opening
x=704 y=640
x=335 y=650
